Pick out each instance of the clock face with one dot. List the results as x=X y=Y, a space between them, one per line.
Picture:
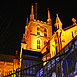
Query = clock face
x=53 y=74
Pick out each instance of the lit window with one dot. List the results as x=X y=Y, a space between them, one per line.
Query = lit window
x=38 y=44
x=45 y=30
x=38 y=41
x=45 y=34
x=38 y=33
x=38 y=28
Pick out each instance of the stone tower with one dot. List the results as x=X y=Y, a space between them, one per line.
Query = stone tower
x=37 y=33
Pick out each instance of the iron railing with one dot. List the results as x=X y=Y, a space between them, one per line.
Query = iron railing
x=61 y=65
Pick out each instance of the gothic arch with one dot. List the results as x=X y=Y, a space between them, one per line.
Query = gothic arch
x=38 y=43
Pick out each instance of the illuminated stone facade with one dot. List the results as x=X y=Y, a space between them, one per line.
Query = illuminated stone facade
x=8 y=64
x=38 y=36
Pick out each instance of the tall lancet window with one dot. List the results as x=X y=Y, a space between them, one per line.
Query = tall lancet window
x=45 y=32
x=38 y=29
x=38 y=44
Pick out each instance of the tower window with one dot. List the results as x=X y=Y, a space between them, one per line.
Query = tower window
x=38 y=44
x=38 y=41
x=45 y=30
x=38 y=33
x=38 y=28
x=45 y=34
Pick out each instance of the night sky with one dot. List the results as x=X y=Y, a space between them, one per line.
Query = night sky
x=13 y=15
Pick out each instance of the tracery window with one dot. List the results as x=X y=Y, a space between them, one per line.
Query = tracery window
x=38 y=41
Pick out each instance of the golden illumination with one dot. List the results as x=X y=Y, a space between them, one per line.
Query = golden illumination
x=36 y=30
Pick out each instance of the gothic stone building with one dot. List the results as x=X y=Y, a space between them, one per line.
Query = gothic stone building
x=38 y=36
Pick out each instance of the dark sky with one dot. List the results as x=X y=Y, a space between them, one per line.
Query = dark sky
x=13 y=15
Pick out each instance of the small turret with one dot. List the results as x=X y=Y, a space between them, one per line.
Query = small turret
x=32 y=14
x=49 y=18
x=58 y=24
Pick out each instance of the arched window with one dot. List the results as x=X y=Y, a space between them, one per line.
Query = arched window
x=45 y=32
x=38 y=41
x=38 y=44
x=38 y=33
x=38 y=30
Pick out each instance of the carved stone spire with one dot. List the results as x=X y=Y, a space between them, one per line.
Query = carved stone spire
x=32 y=10
x=49 y=18
x=57 y=19
x=58 y=24
x=48 y=14
x=32 y=13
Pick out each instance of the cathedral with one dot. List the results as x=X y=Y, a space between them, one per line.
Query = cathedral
x=38 y=35
x=9 y=62
x=39 y=39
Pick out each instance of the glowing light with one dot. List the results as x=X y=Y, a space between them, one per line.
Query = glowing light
x=26 y=26
x=75 y=75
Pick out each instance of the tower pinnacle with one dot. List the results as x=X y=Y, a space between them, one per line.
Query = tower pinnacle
x=32 y=13
x=57 y=19
x=58 y=24
x=32 y=10
x=48 y=14
x=49 y=18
